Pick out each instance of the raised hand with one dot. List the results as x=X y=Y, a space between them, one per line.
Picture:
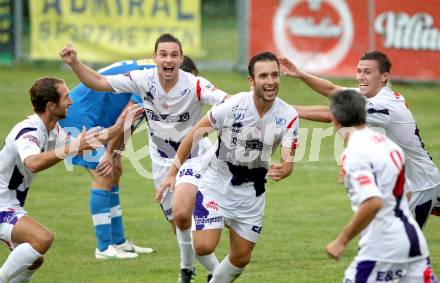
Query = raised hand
x=68 y=54
x=291 y=69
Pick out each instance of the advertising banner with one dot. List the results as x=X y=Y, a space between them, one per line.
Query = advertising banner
x=6 y=31
x=327 y=37
x=107 y=30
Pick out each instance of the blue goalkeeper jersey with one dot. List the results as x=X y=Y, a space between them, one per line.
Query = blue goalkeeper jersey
x=92 y=108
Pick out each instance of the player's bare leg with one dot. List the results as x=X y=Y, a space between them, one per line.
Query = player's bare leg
x=232 y=265
x=183 y=204
x=33 y=240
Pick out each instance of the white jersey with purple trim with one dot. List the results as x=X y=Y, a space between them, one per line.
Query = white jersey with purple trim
x=389 y=111
x=170 y=115
x=373 y=166
x=246 y=140
x=27 y=138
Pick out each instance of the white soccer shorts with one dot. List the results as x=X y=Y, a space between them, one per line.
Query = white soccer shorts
x=188 y=173
x=208 y=214
x=8 y=218
x=418 y=271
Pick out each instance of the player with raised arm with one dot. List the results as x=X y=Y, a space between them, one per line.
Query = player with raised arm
x=33 y=145
x=172 y=101
x=392 y=247
x=386 y=109
x=91 y=109
x=250 y=126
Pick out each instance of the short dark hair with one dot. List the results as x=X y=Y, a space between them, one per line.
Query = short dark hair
x=348 y=108
x=381 y=58
x=264 y=56
x=189 y=66
x=167 y=37
x=44 y=90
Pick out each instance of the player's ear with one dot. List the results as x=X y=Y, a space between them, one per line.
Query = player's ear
x=384 y=77
x=50 y=106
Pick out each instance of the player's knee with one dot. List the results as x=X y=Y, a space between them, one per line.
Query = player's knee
x=43 y=241
x=240 y=260
x=182 y=218
x=203 y=248
x=37 y=263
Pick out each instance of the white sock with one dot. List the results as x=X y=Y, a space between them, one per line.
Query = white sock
x=210 y=262
x=20 y=259
x=226 y=272
x=187 y=255
x=23 y=277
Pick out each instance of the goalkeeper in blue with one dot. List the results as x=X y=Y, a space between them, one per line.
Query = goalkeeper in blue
x=91 y=109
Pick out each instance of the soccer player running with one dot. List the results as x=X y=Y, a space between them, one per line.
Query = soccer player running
x=173 y=102
x=33 y=145
x=386 y=109
x=392 y=246
x=91 y=109
x=250 y=126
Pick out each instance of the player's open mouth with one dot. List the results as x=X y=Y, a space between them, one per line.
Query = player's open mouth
x=363 y=85
x=168 y=69
x=269 y=90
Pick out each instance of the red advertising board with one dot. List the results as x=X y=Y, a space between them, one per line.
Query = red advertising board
x=328 y=36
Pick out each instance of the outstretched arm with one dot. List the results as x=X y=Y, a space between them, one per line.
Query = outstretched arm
x=41 y=161
x=317 y=113
x=87 y=76
x=320 y=85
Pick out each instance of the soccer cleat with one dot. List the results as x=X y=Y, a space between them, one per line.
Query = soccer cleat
x=113 y=252
x=187 y=276
x=209 y=277
x=128 y=246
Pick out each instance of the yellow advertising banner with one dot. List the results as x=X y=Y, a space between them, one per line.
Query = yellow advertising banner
x=109 y=30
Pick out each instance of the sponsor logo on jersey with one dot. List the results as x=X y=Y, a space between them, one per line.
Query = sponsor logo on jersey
x=152 y=87
x=389 y=275
x=168 y=213
x=237 y=108
x=152 y=115
x=238 y=117
x=32 y=139
x=280 y=121
x=149 y=97
x=316 y=35
x=205 y=220
x=257 y=229
x=8 y=217
x=190 y=172
x=212 y=205
x=128 y=75
x=210 y=87
x=254 y=145
x=364 y=180
x=185 y=92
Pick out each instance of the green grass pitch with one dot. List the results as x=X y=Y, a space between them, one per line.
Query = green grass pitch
x=303 y=212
